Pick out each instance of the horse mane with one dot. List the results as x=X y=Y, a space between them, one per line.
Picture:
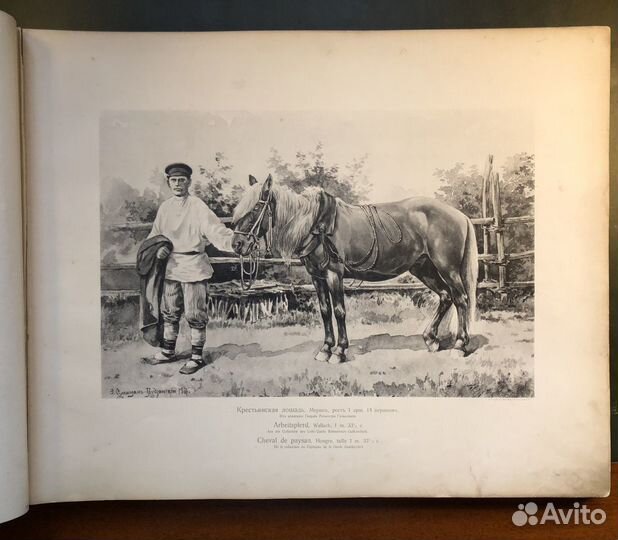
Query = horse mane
x=294 y=214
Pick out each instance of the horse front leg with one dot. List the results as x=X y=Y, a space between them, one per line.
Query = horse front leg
x=321 y=288
x=334 y=280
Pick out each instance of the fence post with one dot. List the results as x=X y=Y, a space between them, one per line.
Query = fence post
x=485 y=188
x=499 y=228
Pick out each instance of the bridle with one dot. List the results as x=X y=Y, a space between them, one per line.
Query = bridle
x=248 y=277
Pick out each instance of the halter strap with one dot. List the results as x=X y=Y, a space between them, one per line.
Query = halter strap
x=253 y=232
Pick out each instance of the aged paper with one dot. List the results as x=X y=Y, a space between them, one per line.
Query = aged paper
x=13 y=449
x=550 y=85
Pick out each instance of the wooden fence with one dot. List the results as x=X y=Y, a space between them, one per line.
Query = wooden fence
x=492 y=223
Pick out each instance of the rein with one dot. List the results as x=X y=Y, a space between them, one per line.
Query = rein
x=248 y=276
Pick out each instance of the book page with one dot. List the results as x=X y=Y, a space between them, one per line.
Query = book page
x=380 y=184
x=13 y=421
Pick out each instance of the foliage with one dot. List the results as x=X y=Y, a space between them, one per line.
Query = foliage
x=461 y=187
x=518 y=185
x=215 y=186
x=473 y=384
x=518 y=200
x=142 y=208
x=310 y=169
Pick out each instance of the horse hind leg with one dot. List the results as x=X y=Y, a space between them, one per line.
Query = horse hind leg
x=460 y=299
x=425 y=270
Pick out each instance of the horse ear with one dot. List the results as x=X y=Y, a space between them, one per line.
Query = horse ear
x=252 y=180
x=268 y=183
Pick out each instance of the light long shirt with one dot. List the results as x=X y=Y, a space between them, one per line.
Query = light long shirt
x=191 y=226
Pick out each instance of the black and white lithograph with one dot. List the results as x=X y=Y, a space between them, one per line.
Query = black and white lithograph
x=360 y=253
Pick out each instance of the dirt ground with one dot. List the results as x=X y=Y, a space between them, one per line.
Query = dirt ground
x=385 y=359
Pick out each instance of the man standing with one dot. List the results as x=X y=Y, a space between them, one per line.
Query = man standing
x=190 y=225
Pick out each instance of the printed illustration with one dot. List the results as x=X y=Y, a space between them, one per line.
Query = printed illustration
x=379 y=254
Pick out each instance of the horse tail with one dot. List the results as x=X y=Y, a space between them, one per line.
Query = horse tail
x=470 y=271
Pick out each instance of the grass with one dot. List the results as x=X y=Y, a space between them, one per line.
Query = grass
x=454 y=384
x=476 y=384
x=274 y=355
x=120 y=314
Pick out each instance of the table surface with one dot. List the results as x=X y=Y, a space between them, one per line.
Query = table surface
x=457 y=519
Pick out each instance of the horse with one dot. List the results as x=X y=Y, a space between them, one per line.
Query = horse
x=335 y=240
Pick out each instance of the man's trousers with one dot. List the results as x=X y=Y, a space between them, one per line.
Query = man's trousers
x=189 y=299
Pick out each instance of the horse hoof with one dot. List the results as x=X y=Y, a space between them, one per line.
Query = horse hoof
x=336 y=358
x=432 y=345
x=322 y=356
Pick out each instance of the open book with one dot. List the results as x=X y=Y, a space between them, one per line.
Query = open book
x=347 y=264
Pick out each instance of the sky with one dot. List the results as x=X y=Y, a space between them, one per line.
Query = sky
x=403 y=148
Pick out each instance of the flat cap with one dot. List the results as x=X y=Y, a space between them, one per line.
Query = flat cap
x=178 y=169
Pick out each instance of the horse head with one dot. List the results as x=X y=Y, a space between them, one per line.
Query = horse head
x=253 y=217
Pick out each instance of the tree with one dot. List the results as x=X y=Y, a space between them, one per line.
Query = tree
x=461 y=187
x=518 y=185
x=120 y=204
x=215 y=187
x=310 y=170
x=142 y=208
x=517 y=195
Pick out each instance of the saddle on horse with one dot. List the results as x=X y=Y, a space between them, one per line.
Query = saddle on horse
x=323 y=229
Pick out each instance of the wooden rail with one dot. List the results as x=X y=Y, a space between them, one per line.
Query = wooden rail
x=489 y=258
x=475 y=221
x=364 y=287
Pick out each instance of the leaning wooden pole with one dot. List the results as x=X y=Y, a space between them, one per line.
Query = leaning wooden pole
x=499 y=228
x=484 y=190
